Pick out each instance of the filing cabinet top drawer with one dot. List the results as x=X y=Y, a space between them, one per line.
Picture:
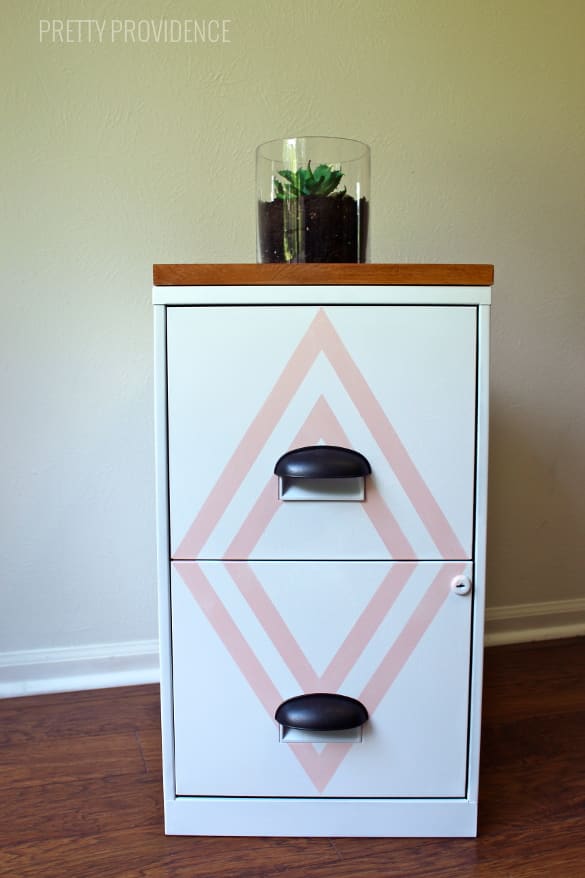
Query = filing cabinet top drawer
x=248 y=385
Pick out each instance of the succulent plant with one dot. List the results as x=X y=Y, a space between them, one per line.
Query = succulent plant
x=304 y=181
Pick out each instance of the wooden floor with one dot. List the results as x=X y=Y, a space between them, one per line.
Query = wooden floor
x=80 y=790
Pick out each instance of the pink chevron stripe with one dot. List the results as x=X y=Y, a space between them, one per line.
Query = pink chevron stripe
x=229 y=634
x=252 y=442
x=366 y=625
x=385 y=435
x=261 y=514
x=409 y=637
x=320 y=423
x=321 y=766
x=274 y=625
x=387 y=525
x=354 y=643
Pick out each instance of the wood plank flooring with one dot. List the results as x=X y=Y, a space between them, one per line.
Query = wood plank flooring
x=80 y=790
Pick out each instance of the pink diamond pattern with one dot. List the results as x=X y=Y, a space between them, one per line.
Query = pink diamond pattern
x=321 y=422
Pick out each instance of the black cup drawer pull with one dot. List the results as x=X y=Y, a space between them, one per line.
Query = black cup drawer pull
x=322 y=472
x=321 y=712
x=322 y=462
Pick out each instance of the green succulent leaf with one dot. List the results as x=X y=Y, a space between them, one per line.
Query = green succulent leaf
x=279 y=190
x=304 y=181
x=291 y=176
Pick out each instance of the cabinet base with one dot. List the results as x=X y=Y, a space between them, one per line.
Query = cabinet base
x=381 y=818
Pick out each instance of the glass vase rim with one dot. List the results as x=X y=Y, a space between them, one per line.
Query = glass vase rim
x=363 y=152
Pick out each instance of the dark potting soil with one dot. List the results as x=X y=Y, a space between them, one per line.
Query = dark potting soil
x=313 y=228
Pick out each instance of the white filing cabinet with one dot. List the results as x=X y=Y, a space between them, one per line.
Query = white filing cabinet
x=321 y=473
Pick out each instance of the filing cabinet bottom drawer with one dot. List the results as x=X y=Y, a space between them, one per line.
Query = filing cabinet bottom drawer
x=246 y=636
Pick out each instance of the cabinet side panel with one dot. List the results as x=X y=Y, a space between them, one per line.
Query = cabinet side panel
x=483 y=340
x=162 y=546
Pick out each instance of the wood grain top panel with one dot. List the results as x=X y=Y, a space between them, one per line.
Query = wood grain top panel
x=222 y=274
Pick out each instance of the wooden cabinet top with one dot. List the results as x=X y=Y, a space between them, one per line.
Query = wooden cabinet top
x=369 y=274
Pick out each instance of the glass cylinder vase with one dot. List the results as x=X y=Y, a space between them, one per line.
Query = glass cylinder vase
x=313 y=200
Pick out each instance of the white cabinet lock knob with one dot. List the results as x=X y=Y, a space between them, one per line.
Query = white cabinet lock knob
x=461 y=585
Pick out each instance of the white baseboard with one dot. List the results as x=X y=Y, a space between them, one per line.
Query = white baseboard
x=548 y=620
x=130 y=664
x=80 y=667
